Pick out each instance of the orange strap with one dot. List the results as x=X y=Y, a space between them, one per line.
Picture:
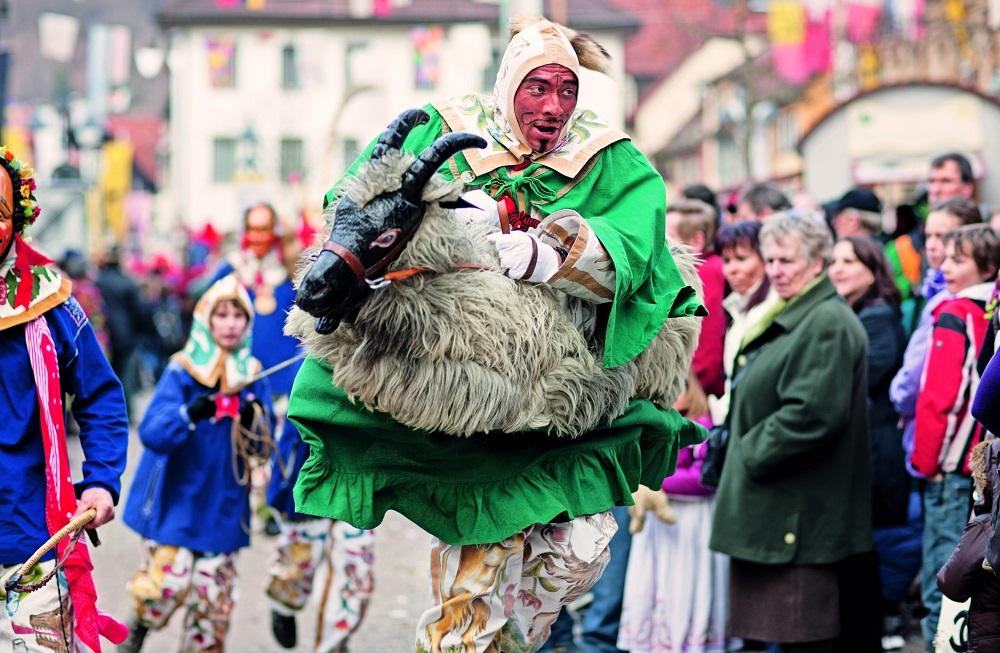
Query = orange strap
x=408 y=273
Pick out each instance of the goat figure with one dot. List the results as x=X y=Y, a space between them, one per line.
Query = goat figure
x=406 y=302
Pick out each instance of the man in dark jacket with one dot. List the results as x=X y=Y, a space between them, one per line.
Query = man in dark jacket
x=125 y=319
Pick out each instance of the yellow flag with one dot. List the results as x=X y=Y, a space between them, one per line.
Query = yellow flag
x=256 y=5
x=16 y=140
x=786 y=22
x=116 y=181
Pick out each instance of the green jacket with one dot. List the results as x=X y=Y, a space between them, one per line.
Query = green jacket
x=796 y=484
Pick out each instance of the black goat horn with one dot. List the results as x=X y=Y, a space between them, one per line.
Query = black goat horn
x=394 y=135
x=420 y=171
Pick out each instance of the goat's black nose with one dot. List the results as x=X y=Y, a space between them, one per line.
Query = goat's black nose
x=323 y=286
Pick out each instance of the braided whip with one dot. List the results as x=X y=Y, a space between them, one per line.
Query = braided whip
x=74 y=528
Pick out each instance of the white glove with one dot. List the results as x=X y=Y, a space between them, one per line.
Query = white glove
x=524 y=257
x=484 y=209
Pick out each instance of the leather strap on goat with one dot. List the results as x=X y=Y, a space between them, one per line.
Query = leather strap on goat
x=365 y=275
x=408 y=273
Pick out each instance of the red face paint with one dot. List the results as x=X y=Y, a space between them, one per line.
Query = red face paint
x=6 y=233
x=6 y=213
x=544 y=103
x=259 y=237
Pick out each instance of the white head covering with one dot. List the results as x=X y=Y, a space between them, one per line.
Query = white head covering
x=539 y=44
x=203 y=358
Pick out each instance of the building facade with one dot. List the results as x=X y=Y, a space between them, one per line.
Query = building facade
x=275 y=107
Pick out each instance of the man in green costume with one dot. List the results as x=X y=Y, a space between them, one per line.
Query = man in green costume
x=522 y=523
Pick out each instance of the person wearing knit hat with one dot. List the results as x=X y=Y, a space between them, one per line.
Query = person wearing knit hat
x=575 y=206
x=48 y=350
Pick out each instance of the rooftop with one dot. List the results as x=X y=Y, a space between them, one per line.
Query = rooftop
x=581 y=14
x=672 y=29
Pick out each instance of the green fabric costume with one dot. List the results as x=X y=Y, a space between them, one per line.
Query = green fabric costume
x=483 y=489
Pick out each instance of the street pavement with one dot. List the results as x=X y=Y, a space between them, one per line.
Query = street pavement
x=402 y=554
x=401 y=585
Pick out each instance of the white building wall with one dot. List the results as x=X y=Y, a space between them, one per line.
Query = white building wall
x=317 y=112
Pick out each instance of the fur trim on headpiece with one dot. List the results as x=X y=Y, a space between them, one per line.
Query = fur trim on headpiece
x=591 y=54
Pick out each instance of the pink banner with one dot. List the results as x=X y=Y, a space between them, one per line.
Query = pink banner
x=818 y=48
x=863 y=21
x=790 y=62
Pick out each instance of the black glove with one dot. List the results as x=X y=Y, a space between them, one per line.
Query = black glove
x=201 y=408
x=247 y=411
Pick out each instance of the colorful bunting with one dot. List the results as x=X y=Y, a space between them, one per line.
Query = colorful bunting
x=786 y=27
x=427 y=43
x=221 y=61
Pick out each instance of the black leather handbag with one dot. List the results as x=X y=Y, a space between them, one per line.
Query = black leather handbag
x=715 y=455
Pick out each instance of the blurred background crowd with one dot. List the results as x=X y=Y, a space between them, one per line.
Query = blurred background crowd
x=843 y=152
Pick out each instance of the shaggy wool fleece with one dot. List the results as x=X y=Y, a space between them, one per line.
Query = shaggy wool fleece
x=472 y=351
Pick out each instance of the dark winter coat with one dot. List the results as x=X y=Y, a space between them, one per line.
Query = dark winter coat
x=886 y=343
x=963 y=577
x=796 y=486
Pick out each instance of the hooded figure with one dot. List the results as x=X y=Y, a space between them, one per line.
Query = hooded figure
x=522 y=521
x=48 y=350
x=191 y=497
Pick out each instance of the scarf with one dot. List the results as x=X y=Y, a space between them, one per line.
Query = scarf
x=30 y=285
x=203 y=358
x=933 y=283
x=60 y=499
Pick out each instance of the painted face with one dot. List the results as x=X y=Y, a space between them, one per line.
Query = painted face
x=960 y=269
x=849 y=275
x=228 y=324
x=260 y=236
x=787 y=266
x=742 y=267
x=543 y=104
x=945 y=182
x=6 y=232
x=6 y=214
x=938 y=224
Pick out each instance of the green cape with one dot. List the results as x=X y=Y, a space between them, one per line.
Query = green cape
x=475 y=490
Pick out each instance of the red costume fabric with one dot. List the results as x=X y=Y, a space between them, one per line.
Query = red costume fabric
x=60 y=498
x=707 y=363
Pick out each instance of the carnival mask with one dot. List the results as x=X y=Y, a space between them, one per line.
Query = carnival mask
x=6 y=214
x=259 y=235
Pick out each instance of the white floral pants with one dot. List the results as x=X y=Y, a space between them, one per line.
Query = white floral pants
x=348 y=554
x=503 y=597
x=172 y=577
x=39 y=621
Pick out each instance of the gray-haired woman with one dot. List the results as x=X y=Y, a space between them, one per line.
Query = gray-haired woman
x=793 y=508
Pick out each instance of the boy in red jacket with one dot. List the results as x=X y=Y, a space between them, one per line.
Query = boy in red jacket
x=945 y=429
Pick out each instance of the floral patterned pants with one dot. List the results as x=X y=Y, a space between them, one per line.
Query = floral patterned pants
x=348 y=555
x=40 y=621
x=503 y=598
x=205 y=584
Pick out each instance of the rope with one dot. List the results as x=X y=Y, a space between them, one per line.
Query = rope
x=74 y=527
x=253 y=446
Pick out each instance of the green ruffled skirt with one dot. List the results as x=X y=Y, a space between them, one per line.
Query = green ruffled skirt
x=474 y=490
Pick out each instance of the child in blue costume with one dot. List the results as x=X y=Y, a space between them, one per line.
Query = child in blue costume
x=191 y=499
x=305 y=543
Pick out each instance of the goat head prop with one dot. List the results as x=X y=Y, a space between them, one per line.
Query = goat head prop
x=365 y=240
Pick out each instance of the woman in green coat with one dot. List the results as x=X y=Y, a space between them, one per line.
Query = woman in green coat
x=793 y=508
